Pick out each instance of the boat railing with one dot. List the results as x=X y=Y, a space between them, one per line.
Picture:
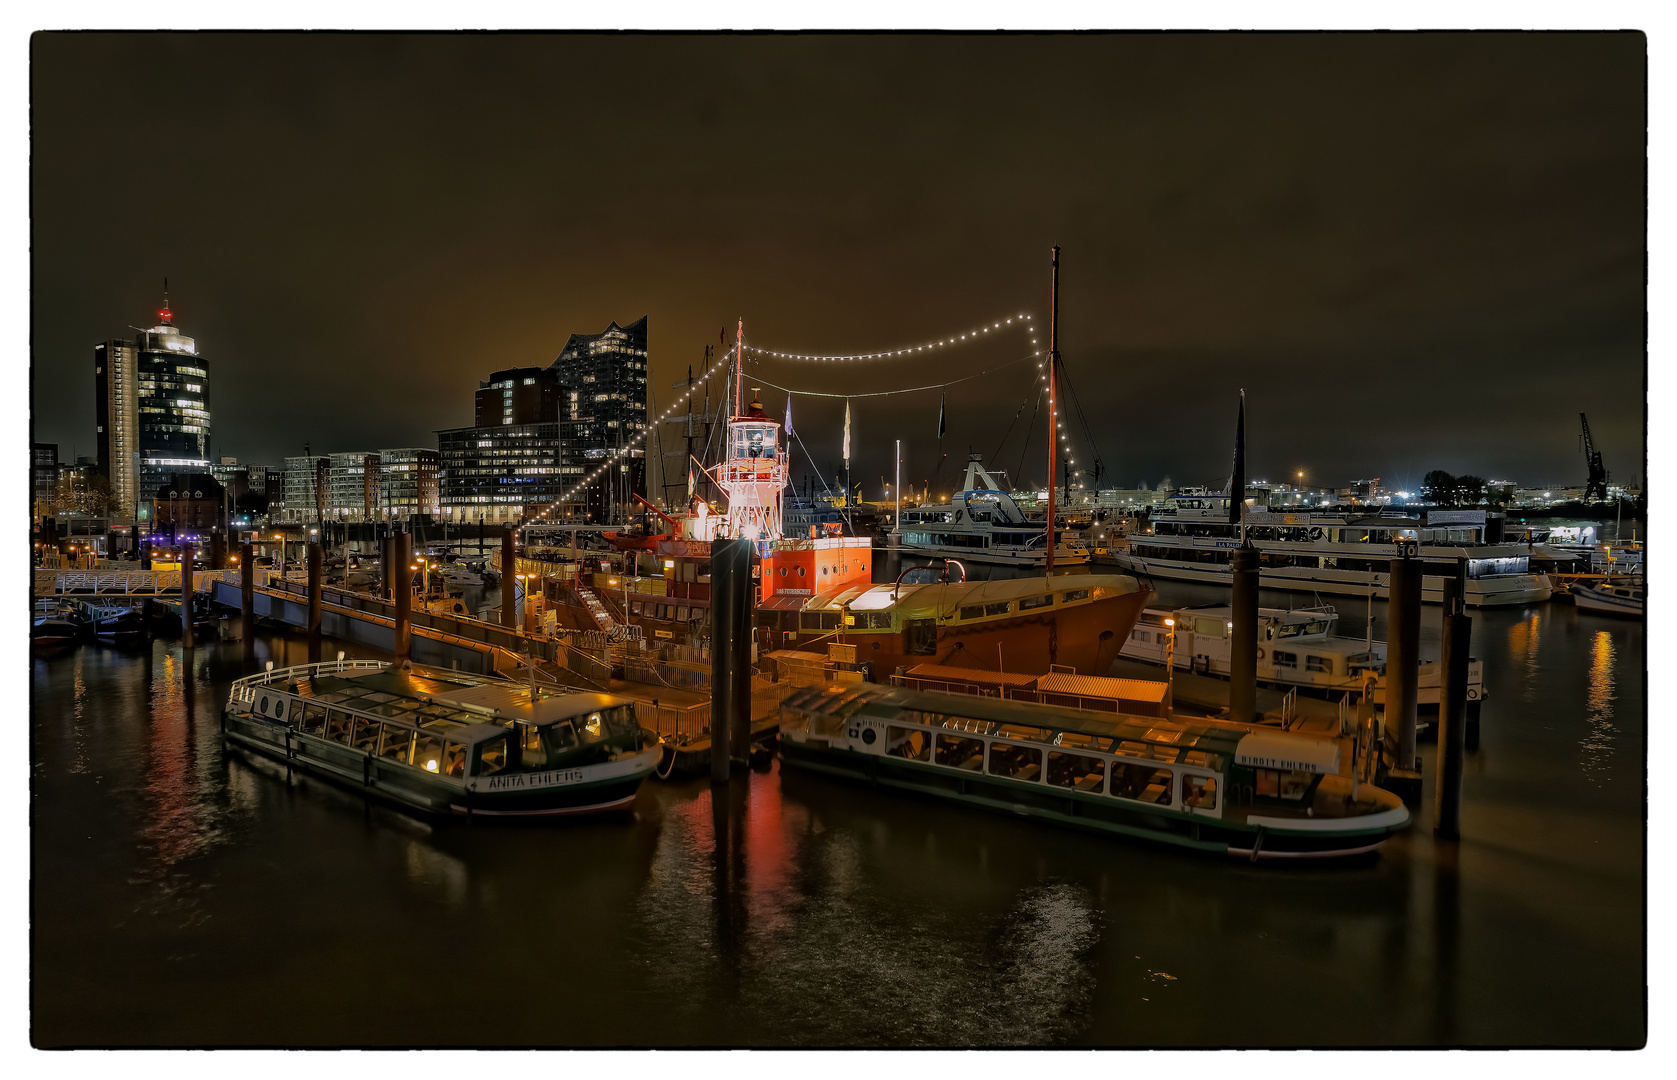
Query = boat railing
x=243 y=689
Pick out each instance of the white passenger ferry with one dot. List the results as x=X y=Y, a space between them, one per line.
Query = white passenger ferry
x=1296 y=648
x=1202 y=784
x=1191 y=539
x=982 y=523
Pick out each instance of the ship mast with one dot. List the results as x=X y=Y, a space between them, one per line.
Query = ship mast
x=739 y=367
x=1053 y=412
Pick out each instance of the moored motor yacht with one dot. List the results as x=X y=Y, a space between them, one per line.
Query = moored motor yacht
x=982 y=523
x=1192 y=539
x=1296 y=648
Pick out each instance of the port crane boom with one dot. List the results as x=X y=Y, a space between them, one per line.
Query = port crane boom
x=1597 y=484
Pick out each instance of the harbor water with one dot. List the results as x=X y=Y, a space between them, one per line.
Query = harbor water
x=183 y=894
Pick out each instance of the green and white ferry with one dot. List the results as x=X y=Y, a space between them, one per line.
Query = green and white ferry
x=445 y=742
x=1202 y=784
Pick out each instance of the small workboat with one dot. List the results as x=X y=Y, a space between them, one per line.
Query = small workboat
x=55 y=624
x=1203 y=784
x=446 y=742
x=1609 y=598
x=117 y=625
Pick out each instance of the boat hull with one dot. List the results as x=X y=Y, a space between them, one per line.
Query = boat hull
x=594 y=789
x=1086 y=637
x=1093 y=812
x=1605 y=603
x=1524 y=589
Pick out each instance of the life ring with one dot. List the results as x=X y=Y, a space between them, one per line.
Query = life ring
x=1315 y=532
x=1472 y=695
x=1260 y=652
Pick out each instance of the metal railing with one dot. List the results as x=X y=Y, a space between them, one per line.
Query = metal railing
x=243 y=689
x=133 y=582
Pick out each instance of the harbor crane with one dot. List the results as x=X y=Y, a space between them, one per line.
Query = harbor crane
x=1598 y=473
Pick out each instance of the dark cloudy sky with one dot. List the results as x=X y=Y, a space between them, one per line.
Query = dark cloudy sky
x=1413 y=251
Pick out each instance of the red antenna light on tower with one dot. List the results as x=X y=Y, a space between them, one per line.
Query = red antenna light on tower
x=166 y=315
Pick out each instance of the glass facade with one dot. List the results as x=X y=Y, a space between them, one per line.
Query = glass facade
x=604 y=376
x=173 y=410
x=504 y=472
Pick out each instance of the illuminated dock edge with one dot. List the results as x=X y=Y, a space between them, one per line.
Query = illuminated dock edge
x=445 y=742
x=1196 y=784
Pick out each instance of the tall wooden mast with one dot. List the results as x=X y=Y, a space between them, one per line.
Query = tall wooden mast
x=1053 y=410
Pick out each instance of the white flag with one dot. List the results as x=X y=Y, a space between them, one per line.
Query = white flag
x=847 y=431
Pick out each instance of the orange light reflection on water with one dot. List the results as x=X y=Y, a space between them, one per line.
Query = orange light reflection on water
x=1598 y=740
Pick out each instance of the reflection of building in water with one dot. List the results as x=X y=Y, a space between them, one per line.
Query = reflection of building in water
x=1597 y=742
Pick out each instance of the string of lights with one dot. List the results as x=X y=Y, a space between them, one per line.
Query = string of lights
x=1023 y=321
x=891 y=393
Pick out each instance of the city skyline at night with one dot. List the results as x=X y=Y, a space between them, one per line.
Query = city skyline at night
x=1284 y=213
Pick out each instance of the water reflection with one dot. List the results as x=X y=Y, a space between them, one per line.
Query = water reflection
x=175 y=824
x=1523 y=642
x=802 y=924
x=1600 y=731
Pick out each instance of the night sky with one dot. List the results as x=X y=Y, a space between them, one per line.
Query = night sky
x=1412 y=251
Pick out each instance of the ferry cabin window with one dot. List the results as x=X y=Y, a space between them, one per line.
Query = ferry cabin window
x=959 y=753
x=1268 y=783
x=532 y=755
x=1030 y=602
x=1141 y=782
x=314 y=719
x=1199 y=792
x=1295 y=784
x=1323 y=664
x=1018 y=762
x=1285 y=659
x=454 y=760
x=491 y=756
x=873 y=620
x=922 y=637
x=366 y=734
x=295 y=715
x=561 y=737
x=337 y=725
x=909 y=743
x=818 y=620
x=1075 y=594
x=428 y=752
x=396 y=744
x=593 y=726
x=1143 y=636
x=1076 y=771
x=1209 y=627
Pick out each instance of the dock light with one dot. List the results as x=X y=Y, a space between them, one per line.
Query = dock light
x=431 y=766
x=1170 y=622
x=669 y=564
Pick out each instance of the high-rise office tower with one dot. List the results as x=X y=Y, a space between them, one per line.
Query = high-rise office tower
x=116 y=373
x=605 y=377
x=153 y=417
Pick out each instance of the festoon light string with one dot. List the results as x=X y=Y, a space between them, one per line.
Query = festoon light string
x=1023 y=321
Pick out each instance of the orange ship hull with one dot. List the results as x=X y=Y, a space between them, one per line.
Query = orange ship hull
x=1085 y=637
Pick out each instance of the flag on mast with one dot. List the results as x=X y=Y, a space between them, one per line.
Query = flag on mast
x=847 y=431
x=788 y=414
x=941 y=426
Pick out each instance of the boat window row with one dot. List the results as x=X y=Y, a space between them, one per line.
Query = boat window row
x=425 y=744
x=1138 y=781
